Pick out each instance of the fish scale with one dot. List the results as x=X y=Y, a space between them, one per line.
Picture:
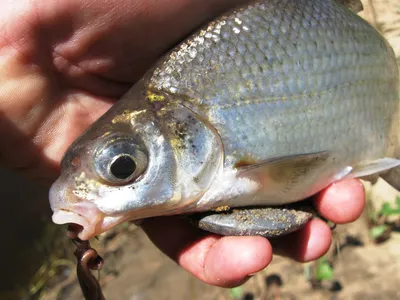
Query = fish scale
x=300 y=70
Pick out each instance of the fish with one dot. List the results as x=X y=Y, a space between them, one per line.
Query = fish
x=264 y=106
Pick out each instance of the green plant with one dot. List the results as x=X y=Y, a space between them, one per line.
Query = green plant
x=324 y=270
x=387 y=209
x=236 y=292
x=378 y=231
x=380 y=226
x=318 y=272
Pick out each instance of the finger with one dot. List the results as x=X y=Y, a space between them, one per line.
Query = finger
x=216 y=260
x=309 y=243
x=341 y=202
x=226 y=261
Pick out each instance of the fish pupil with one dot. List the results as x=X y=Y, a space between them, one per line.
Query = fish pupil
x=123 y=167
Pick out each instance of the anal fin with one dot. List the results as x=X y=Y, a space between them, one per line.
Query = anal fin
x=262 y=221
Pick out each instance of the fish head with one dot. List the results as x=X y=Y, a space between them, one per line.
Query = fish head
x=141 y=159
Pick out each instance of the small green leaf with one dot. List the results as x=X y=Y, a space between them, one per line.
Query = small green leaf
x=395 y=212
x=398 y=201
x=377 y=231
x=324 y=270
x=387 y=210
x=236 y=292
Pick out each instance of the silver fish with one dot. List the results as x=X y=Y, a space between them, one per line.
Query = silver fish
x=265 y=106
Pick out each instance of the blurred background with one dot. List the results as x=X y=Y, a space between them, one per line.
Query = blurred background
x=37 y=259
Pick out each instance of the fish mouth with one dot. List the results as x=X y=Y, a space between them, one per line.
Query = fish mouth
x=79 y=226
x=86 y=224
x=84 y=217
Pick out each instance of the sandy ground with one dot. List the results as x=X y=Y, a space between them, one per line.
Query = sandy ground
x=136 y=270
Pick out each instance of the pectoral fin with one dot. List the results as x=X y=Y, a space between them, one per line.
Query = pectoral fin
x=368 y=168
x=290 y=178
x=287 y=169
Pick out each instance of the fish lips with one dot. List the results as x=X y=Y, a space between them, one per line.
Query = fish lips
x=85 y=218
x=81 y=225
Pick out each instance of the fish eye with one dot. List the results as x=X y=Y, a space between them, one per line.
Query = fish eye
x=123 y=166
x=120 y=161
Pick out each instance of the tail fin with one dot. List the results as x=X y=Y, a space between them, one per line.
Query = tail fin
x=393 y=177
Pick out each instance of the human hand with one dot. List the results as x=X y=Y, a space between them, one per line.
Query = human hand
x=62 y=65
x=229 y=261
